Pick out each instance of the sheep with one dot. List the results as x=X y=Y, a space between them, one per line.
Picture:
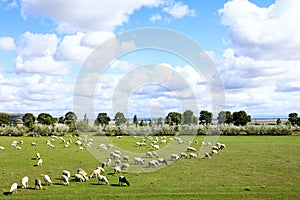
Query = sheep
x=215 y=148
x=79 y=177
x=117 y=169
x=66 y=173
x=193 y=155
x=80 y=148
x=38 y=155
x=155 y=154
x=66 y=146
x=118 y=152
x=18 y=148
x=191 y=149
x=206 y=155
x=140 y=144
x=162 y=160
x=125 y=158
x=222 y=146
x=119 y=136
x=174 y=157
x=13 y=188
x=108 y=161
x=124 y=166
x=65 y=179
x=183 y=154
x=2 y=148
x=149 y=154
x=153 y=163
x=47 y=180
x=51 y=146
x=40 y=162
x=115 y=156
x=138 y=160
x=33 y=144
x=25 y=182
x=78 y=142
x=122 y=180
x=214 y=152
x=102 y=179
x=83 y=173
x=21 y=141
x=117 y=162
x=38 y=183
x=102 y=146
x=110 y=146
x=156 y=147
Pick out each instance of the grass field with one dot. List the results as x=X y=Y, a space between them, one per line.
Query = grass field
x=251 y=167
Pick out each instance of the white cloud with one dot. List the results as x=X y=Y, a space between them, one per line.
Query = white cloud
x=102 y=15
x=7 y=43
x=178 y=10
x=156 y=17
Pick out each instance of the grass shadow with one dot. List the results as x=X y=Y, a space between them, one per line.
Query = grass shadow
x=6 y=193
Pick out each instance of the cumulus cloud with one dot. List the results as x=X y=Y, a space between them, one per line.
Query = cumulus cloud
x=156 y=17
x=102 y=15
x=178 y=10
x=7 y=43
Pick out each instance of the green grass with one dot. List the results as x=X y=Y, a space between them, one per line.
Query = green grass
x=251 y=167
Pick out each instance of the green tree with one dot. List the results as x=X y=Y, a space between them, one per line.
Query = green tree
x=28 y=120
x=102 y=119
x=205 y=117
x=70 y=119
x=241 y=118
x=173 y=118
x=143 y=123
x=278 y=121
x=135 y=121
x=293 y=118
x=119 y=118
x=225 y=117
x=188 y=117
x=45 y=118
x=4 y=119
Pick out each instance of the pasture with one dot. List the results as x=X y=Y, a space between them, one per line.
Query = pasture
x=251 y=167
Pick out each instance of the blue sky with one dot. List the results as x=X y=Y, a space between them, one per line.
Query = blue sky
x=254 y=46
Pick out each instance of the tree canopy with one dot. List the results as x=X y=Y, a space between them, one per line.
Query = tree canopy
x=120 y=118
x=28 y=120
x=241 y=118
x=205 y=117
x=173 y=118
x=4 y=119
x=102 y=119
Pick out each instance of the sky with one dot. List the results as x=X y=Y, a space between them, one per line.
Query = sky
x=254 y=46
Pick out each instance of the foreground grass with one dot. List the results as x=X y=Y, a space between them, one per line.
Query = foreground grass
x=251 y=167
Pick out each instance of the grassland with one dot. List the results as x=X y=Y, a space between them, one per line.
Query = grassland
x=251 y=167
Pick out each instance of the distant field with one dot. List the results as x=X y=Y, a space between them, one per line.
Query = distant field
x=251 y=167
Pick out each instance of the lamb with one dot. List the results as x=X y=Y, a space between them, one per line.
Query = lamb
x=38 y=184
x=25 y=182
x=40 y=162
x=66 y=173
x=38 y=156
x=2 y=148
x=117 y=169
x=138 y=160
x=174 y=157
x=123 y=180
x=102 y=179
x=162 y=160
x=13 y=188
x=193 y=155
x=191 y=149
x=47 y=180
x=153 y=163
x=65 y=179
x=51 y=146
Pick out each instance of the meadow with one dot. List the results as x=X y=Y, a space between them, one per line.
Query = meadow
x=251 y=167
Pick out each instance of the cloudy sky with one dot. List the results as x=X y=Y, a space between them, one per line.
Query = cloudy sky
x=253 y=44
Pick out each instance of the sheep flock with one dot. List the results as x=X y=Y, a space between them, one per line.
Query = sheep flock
x=115 y=159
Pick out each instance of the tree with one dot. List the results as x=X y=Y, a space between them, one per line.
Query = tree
x=28 y=120
x=293 y=118
x=188 y=117
x=119 y=118
x=102 y=119
x=4 y=119
x=241 y=118
x=159 y=121
x=45 y=118
x=225 y=117
x=205 y=117
x=173 y=118
x=278 y=121
x=70 y=119
x=135 y=120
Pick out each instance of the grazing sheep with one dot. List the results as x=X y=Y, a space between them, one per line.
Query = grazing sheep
x=33 y=144
x=97 y=171
x=162 y=160
x=138 y=160
x=222 y=146
x=117 y=162
x=80 y=148
x=155 y=154
x=124 y=166
x=214 y=152
x=18 y=148
x=51 y=146
x=149 y=154
x=2 y=148
x=83 y=174
x=153 y=163
x=79 y=177
x=117 y=169
x=38 y=156
x=38 y=184
x=21 y=142
x=47 y=180
x=183 y=154
x=140 y=144
x=123 y=180
x=25 y=182
x=156 y=147
x=118 y=152
x=215 y=148
x=13 y=188
x=126 y=158
x=119 y=136
x=65 y=179
x=193 y=155
x=110 y=146
x=40 y=162
x=175 y=157
x=66 y=146
x=108 y=162
x=206 y=155
x=78 y=142
x=115 y=156
x=191 y=149
x=102 y=179
x=66 y=173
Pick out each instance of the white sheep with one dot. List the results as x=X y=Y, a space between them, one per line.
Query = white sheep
x=124 y=166
x=175 y=157
x=183 y=154
x=47 y=180
x=138 y=160
x=214 y=152
x=193 y=155
x=122 y=180
x=51 y=146
x=65 y=179
x=79 y=177
x=18 y=148
x=40 y=162
x=119 y=136
x=126 y=158
x=215 y=148
x=38 y=155
x=149 y=154
x=118 y=152
x=102 y=179
x=117 y=162
x=162 y=160
x=33 y=144
x=206 y=155
x=108 y=162
x=117 y=169
x=25 y=182
x=2 y=148
x=83 y=173
x=38 y=183
x=156 y=147
x=13 y=188
x=110 y=145
x=140 y=144
x=80 y=148
x=153 y=163
x=191 y=149
x=155 y=154
x=66 y=173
